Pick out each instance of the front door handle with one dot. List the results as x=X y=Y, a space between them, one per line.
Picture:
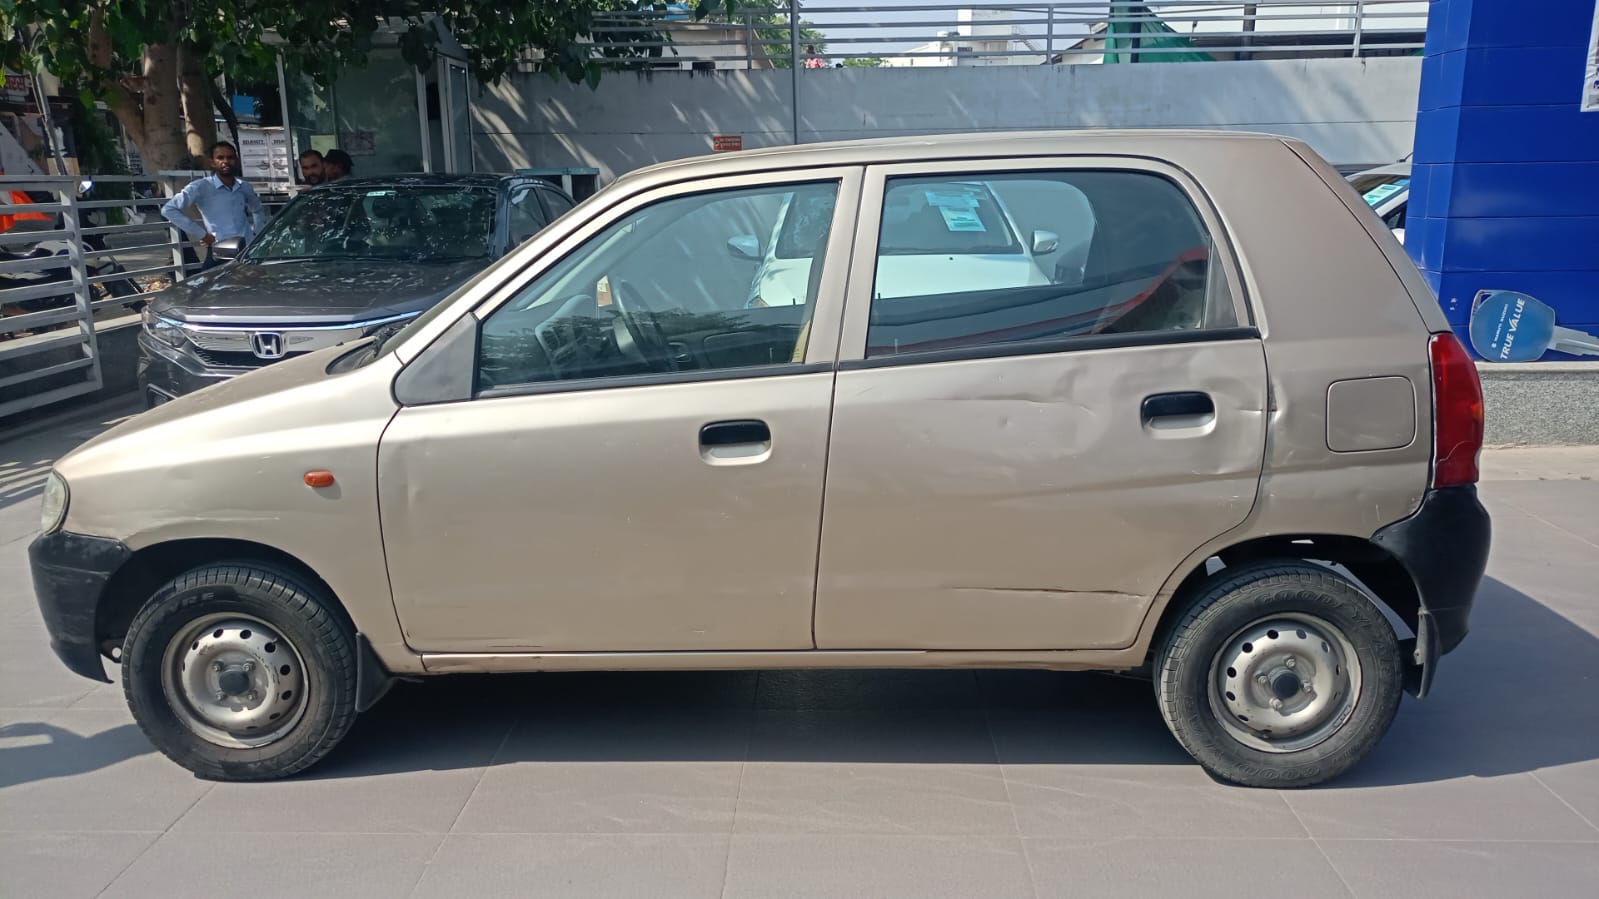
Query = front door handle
x=733 y=433
x=1183 y=409
x=737 y=442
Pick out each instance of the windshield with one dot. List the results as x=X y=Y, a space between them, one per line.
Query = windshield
x=1376 y=188
x=925 y=218
x=415 y=224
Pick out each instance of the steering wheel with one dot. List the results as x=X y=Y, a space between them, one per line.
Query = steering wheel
x=641 y=323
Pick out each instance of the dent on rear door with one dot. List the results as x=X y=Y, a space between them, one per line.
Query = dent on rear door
x=1023 y=503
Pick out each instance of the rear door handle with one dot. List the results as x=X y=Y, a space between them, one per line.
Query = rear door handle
x=1183 y=409
x=738 y=442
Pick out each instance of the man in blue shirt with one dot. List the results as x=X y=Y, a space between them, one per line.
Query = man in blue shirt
x=223 y=199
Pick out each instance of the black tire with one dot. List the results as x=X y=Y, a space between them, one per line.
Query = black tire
x=315 y=628
x=1238 y=598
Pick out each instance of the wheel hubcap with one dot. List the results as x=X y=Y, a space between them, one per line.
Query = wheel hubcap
x=234 y=681
x=1285 y=684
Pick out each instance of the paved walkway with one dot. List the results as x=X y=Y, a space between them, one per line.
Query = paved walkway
x=823 y=784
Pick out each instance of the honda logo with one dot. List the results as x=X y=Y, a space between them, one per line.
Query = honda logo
x=267 y=344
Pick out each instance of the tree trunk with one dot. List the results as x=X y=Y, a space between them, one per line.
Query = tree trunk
x=195 y=88
x=162 y=145
x=221 y=98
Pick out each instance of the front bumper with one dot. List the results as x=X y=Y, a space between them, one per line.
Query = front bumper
x=166 y=373
x=70 y=572
x=1444 y=547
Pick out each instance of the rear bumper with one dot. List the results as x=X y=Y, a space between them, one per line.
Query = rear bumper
x=70 y=572
x=1444 y=547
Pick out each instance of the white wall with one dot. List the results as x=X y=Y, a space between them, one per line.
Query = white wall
x=1353 y=111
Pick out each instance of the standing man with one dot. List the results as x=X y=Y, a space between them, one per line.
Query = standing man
x=224 y=201
x=336 y=164
x=311 y=168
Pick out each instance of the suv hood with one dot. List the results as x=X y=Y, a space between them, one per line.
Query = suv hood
x=333 y=291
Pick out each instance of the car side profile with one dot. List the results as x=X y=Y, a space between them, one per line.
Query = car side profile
x=1228 y=441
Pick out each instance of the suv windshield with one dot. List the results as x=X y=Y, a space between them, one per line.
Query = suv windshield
x=927 y=218
x=1376 y=188
x=420 y=224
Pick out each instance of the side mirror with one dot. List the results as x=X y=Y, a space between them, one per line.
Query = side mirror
x=1045 y=242
x=228 y=248
x=745 y=246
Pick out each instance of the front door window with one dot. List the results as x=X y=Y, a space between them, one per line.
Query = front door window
x=662 y=291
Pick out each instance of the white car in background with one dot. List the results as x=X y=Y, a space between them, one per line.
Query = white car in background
x=937 y=238
x=1386 y=190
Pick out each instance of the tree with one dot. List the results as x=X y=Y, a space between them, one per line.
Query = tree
x=155 y=62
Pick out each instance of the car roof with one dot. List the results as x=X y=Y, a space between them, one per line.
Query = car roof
x=919 y=148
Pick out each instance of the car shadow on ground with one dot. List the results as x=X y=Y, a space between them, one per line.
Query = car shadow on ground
x=1508 y=701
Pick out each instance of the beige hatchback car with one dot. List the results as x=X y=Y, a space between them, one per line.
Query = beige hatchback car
x=1231 y=443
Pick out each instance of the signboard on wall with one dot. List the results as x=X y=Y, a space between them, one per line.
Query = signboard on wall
x=1590 y=75
x=358 y=142
x=724 y=143
x=264 y=155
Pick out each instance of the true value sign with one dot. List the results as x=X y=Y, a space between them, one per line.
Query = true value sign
x=1590 y=75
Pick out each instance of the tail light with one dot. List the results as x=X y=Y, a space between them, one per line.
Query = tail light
x=1457 y=419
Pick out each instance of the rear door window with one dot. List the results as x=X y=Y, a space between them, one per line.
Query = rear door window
x=1005 y=258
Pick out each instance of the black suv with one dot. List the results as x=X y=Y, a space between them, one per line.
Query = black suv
x=341 y=261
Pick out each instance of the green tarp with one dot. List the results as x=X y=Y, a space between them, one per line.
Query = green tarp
x=1150 y=34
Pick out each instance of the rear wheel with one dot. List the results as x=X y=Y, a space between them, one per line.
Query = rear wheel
x=1280 y=674
x=240 y=672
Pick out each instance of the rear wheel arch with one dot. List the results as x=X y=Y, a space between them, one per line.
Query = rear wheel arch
x=153 y=566
x=1383 y=576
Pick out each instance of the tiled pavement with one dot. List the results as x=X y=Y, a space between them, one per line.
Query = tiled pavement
x=820 y=784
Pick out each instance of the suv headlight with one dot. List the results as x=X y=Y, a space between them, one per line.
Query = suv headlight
x=165 y=330
x=55 y=503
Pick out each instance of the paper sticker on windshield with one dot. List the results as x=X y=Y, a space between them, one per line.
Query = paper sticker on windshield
x=950 y=200
x=1384 y=191
x=961 y=219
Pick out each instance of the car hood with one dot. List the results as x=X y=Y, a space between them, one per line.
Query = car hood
x=332 y=291
x=228 y=410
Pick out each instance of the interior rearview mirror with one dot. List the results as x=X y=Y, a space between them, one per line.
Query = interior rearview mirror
x=1045 y=242
x=745 y=246
x=227 y=248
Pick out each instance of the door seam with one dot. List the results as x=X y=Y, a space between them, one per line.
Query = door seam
x=832 y=403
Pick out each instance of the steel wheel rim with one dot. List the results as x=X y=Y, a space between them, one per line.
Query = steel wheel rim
x=234 y=681
x=1285 y=683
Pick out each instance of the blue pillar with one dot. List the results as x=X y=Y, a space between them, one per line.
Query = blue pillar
x=1505 y=187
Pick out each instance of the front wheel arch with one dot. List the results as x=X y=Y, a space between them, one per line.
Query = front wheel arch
x=153 y=566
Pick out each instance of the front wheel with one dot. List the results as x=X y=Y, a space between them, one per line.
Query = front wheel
x=1279 y=675
x=240 y=672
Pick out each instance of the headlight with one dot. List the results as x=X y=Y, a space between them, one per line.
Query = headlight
x=165 y=330
x=55 y=503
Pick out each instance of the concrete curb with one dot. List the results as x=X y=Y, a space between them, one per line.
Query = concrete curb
x=1541 y=403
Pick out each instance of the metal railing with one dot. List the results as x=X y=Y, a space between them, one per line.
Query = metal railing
x=70 y=266
x=984 y=32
